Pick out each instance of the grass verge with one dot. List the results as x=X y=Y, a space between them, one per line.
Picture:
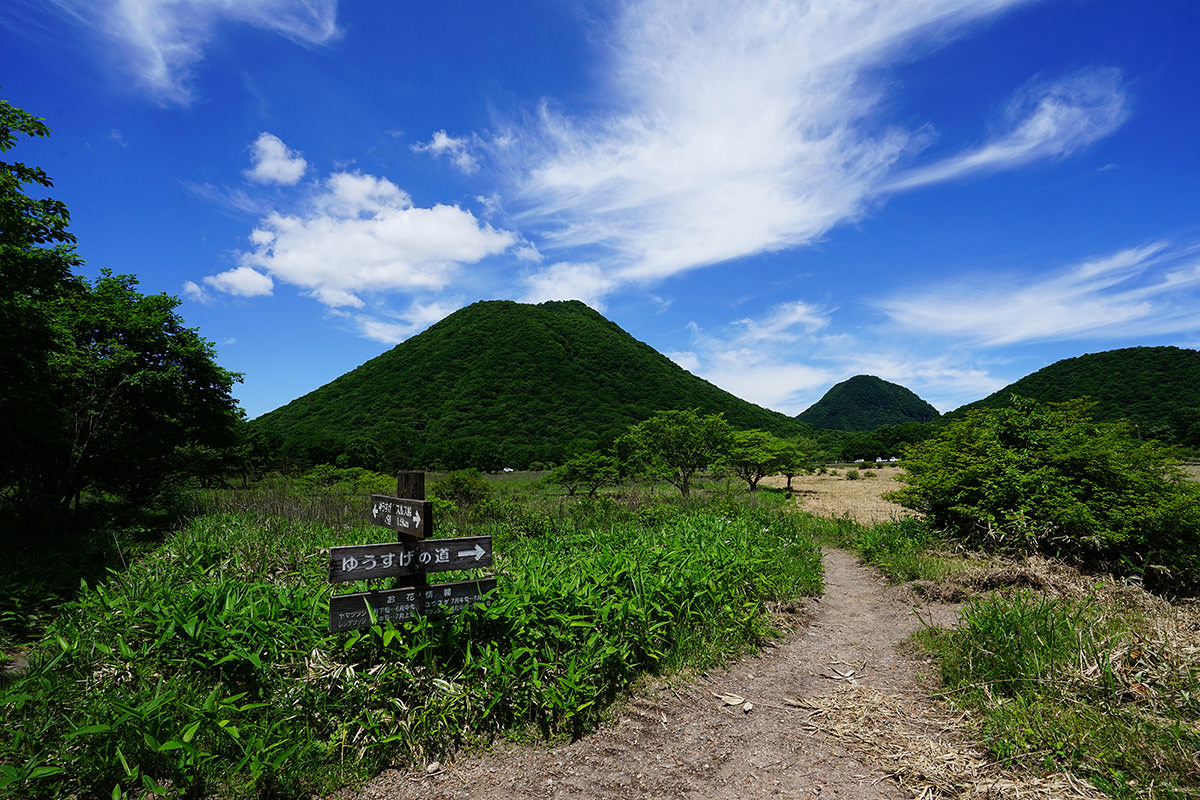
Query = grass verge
x=1094 y=686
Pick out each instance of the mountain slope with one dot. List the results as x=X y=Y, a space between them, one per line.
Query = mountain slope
x=1156 y=388
x=865 y=402
x=504 y=384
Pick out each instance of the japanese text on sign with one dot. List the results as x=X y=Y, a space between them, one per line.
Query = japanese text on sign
x=359 y=562
x=409 y=516
x=350 y=611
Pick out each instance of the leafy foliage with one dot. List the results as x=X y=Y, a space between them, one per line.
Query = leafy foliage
x=590 y=471
x=753 y=455
x=675 y=445
x=863 y=403
x=102 y=389
x=205 y=670
x=1047 y=477
x=1157 y=389
x=501 y=384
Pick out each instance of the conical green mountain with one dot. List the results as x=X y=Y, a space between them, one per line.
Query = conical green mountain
x=503 y=384
x=1156 y=388
x=865 y=402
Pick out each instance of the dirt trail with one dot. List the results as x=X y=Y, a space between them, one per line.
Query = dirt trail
x=681 y=741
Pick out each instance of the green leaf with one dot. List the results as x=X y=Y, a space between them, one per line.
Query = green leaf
x=88 y=730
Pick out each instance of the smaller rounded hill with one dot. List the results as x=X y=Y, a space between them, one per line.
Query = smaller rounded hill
x=863 y=403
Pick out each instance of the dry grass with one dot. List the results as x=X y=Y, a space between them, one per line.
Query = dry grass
x=836 y=496
x=927 y=752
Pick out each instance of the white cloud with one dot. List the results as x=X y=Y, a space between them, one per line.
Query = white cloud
x=1141 y=291
x=1044 y=120
x=195 y=292
x=565 y=281
x=275 y=162
x=161 y=41
x=360 y=233
x=462 y=151
x=241 y=282
x=732 y=129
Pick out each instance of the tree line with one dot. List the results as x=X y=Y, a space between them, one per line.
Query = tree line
x=676 y=446
x=104 y=392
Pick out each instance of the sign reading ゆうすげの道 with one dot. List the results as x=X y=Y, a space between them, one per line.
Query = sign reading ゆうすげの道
x=411 y=557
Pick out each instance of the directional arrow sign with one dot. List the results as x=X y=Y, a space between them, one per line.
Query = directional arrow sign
x=349 y=611
x=413 y=517
x=396 y=559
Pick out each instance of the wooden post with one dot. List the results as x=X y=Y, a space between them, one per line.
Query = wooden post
x=410 y=484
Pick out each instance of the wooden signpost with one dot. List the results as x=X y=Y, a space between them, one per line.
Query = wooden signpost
x=411 y=515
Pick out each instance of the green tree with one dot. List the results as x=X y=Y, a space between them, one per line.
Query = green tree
x=799 y=455
x=753 y=455
x=101 y=388
x=590 y=471
x=675 y=445
x=37 y=254
x=137 y=391
x=1048 y=477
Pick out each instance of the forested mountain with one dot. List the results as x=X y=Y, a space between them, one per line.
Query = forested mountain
x=863 y=403
x=500 y=384
x=1155 y=388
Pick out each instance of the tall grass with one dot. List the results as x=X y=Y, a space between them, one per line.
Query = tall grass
x=206 y=669
x=1089 y=686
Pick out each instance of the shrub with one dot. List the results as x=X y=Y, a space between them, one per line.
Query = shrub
x=852 y=475
x=1047 y=477
x=465 y=488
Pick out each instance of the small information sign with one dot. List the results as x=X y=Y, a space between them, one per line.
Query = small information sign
x=413 y=517
x=349 y=611
x=397 y=559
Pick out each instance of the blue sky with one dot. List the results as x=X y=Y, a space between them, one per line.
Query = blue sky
x=948 y=194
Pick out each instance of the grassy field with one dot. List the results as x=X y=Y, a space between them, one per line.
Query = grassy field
x=205 y=669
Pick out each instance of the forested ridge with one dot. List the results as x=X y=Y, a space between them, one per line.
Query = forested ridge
x=1157 y=389
x=498 y=384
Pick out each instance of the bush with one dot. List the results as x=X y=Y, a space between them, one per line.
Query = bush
x=465 y=488
x=1046 y=477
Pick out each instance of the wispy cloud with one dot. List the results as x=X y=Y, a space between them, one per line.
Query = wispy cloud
x=393 y=327
x=756 y=358
x=1044 y=120
x=463 y=151
x=159 y=42
x=1149 y=290
x=787 y=357
x=731 y=129
x=274 y=162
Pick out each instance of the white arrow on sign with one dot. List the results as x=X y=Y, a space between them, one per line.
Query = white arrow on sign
x=478 y=552
x=417 y=518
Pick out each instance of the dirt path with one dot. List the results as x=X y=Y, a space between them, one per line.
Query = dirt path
x=682 y=741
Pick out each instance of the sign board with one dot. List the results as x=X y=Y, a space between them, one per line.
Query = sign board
x=413 y=517
x=349 y=611
x=396 y=559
